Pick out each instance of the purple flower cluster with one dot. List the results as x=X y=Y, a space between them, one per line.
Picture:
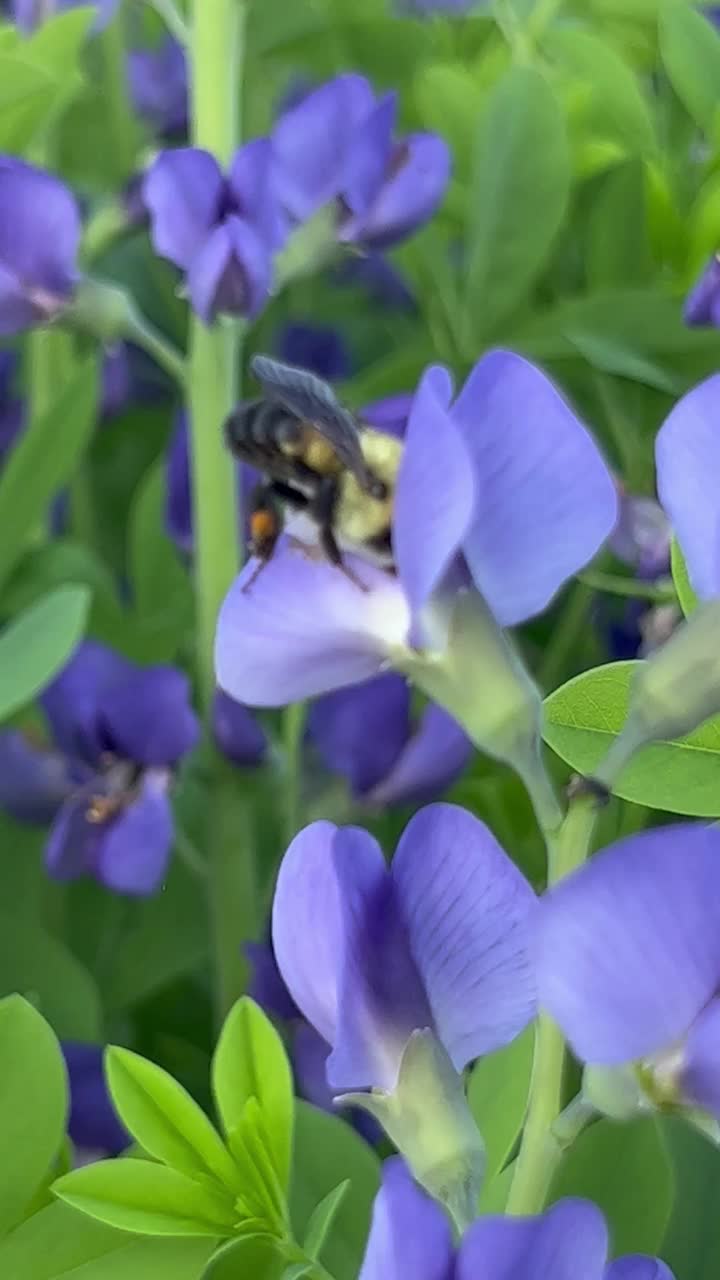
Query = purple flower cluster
x=39 y=239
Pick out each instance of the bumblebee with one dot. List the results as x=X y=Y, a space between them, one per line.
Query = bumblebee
x=319 y=461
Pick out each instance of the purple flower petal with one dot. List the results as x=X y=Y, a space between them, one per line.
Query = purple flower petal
x=73 y=842
x=389 y=414
x=94 y=1125
x=435 y=491
x=147 y=717
x=545 y=498
x=183 y=191
x=360 y=732
x=254 y=184
x=178 y=497
x=134 y=850
x=468 y=911
x=33 y=782
x=72 y=700
x=158 y=80
x=309 y=1059
x=231 y=273
x=313 y=141
x=303 y=628
x=434 y=757
x=642 y=536
x=39 y=238
x=638 y=1267
x=370 y=156
x=568 y=1242
x=687 y=453
x=628 y=948
x=408 y=199
x=266 y=987
x=318 y=347
x=701 y=1060
x=410 y=1234
x=237 y=733
x=702 y=305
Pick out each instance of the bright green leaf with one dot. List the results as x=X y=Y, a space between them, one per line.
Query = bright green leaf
x=164 y=1119
x=41 y=967
x=260 y=1191
x=250 y=1061
x=149 y=1199
x=614 y=87
x=690 y=50
x=256 y=1257
x=39 y=76
x=161 y=1259
x=43 y=461
x=618 y=249
x=56 y=1241
x=583 y=717
x=518 y=198
x=33 y=1105
x=692 y=1241
x=322 y=1218
x=497 y=1094
x=686 y=595
x=38 y=643
x=625 y=1170
x=328 y=1151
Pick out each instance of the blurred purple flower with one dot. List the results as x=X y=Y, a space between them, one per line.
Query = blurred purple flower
x=94 y=1125
x=221 y=231
x=641 y=539
x=338 y=145
x=319 y=348
x=687 y=454
x=702 y=305
x=30 y=14
x=380 y=279
x=390 y=414
x=237 y=733
x=39 y=238
x=505 y=487
x=410 y=1236
x=118 y=731
x=158 y=80
x=439 y=942
x=628 y=961
x=366 y=733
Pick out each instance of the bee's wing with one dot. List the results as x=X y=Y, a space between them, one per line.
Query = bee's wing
x=312 y=400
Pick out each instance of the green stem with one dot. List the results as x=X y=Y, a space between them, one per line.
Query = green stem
x=143 y=334
x=173 y=20
x=540 y=1150
x=632 y=588
x=293 y=730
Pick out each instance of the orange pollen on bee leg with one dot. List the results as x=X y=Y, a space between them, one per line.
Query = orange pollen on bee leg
x=263 y=526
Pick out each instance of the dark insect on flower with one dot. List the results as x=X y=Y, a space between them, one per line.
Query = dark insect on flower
x=322 y=464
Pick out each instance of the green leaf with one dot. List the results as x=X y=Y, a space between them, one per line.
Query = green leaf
x=43 y=462
x=146 y=1198
x=260 y=1191
x=54 y=1242
x=583 y=717
x=164 y=1119
x=625 y=1170
x=39 y=76
x=328 y=1151
x=250 y=1061
x=450 y=99
x=690 y=50
x=160 y=1259
x=518 y=199
x=322 y=1218
x=33 y=1105
x=37 y=644
x=614 y=87
x=161 y=587
x=497 y=1094
x=692 y=1241
x=685 y=593
x=42 y=967
x=618 y=249
x=60 y=563
x=255 y=1256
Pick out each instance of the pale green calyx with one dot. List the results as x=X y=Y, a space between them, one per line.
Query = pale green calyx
x=430 y=1122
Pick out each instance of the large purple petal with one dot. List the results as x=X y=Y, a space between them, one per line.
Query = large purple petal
x=17 y=312
x=628 y=948
x=545 y=498
x=303 y=628
x=360 y=732
x=71 y=702
x=410 y=1235
x=307 y=927
x=73 y=842
x=148 y=718
x=638 y=1267
x=33 y=782
x=183 y=191
x=568 y=1242
x=254 y=184
x=231 y=273
x=435 y=493
x=237 y=733
x=687 y=452
x=702 y=305
x=309 y=1059
x=701 y=1060
x=313 y=143
x=408 y=198
x=434 y=757
x=94 y=1125
x=370 y=156
x=468 y=911
x=266 y=986
x=134 y=850
x=39 y=238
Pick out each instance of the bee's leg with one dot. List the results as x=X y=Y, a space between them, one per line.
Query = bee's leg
x=322 y=510
x=265 y=528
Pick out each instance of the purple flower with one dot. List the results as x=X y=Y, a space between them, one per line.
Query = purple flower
x=380 y=279
x=390 y=414
x=628 y=961
x=439 y=942
x=319 y=348
x=221 y=231
x=410 y=1236
x=505 y=487
x=39 y=237
x=118 y=732
x=641 y=539
x=237 y=734
x=12 y=411
x=702 y=305
x=687 y=454
x=30 y=14
x=94 y=1125
x=366 y=734
x=158 y=82
x=338 y=146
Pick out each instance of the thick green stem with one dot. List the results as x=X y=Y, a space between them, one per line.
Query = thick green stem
x=540 y=1150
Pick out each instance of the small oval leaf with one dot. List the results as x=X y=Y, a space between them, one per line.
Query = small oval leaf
x=37 y=644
